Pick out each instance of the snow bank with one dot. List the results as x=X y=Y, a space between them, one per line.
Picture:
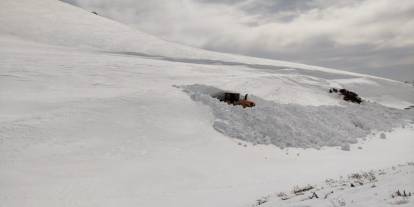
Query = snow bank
x=292 y=125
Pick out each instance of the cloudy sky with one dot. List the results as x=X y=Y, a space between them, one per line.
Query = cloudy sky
x=369 y=36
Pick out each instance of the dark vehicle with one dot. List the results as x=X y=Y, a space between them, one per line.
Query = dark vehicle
x=348 y=95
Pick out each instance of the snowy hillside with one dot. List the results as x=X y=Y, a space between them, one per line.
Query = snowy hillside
x=94 y=113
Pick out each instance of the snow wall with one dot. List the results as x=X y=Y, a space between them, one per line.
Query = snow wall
x=292 y=125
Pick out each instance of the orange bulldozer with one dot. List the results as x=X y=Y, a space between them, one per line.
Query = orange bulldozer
x=234 y=99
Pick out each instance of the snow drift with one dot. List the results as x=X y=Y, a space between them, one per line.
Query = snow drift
x=293 y=125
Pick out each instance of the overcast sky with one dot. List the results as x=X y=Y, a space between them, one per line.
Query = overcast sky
x=368 y=36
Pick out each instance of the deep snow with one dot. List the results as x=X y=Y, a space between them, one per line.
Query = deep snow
x=294 y=125
x=82 y=123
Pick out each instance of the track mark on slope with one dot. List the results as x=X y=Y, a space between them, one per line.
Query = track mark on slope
x=267 y=68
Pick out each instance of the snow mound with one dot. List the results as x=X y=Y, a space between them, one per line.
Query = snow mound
x=293 y=125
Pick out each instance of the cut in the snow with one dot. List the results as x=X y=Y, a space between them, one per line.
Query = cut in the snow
x=292 y=125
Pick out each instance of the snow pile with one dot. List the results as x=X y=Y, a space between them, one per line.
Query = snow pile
x=292 y=125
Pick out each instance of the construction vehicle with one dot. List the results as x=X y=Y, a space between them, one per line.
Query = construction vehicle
x=347 y=95
x=234 y=99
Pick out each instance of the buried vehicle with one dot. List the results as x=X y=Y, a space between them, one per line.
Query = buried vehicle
x=347 y=95
x=234 y=99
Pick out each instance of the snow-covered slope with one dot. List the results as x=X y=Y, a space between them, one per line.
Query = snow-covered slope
x=58 y=23
x=54 y=22
x=93 y=113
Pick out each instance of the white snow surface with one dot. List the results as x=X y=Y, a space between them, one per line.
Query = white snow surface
x=89 y=116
